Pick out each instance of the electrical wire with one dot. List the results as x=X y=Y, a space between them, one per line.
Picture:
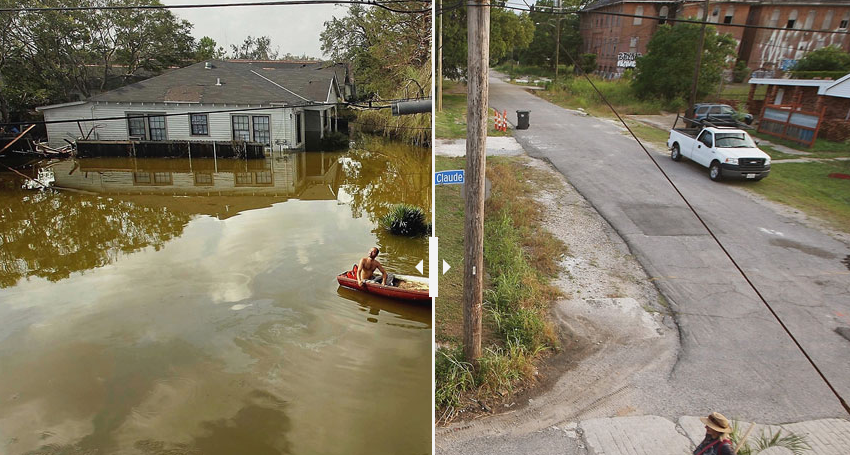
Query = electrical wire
x=381 y=4
x=716 y=240
x=220 y=111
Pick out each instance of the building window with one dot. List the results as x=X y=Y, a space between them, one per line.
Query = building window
x=200 y=124
x=156 y=127
x=662 y=14
x=638 y=12
x=810 y=20
x=136 y=125
x=264 y=177
x=730 y=14
x=774 y=18
x=827 y=20
x=843 y=24
x=241 y=131
x=142 y=178
x=792 y=19
x=262 y=133
x=243 y=178
x=298 y=128
x=162 y=178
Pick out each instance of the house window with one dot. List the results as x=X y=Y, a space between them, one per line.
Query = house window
x=241 y=131
x=243 y=178
x=298 y=128
x=142 y=178
x=792 y=19
x=203 y=178
x=136 y=125
x=662 y=14
x=638 y=12
x=262 y=134
x=162 y=178
x=156 y=127
x=200 y=124
x=263 y=177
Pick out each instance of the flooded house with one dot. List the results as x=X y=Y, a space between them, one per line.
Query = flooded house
x=210 y=109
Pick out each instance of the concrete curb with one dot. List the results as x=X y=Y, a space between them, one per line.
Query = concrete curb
x=638 y=435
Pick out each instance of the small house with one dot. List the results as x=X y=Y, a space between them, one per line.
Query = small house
x=803 y=109
x=276 y=105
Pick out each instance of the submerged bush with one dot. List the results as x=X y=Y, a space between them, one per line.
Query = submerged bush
x=407 y=220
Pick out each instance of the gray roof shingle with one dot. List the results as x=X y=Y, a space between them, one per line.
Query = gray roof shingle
x=242 y=82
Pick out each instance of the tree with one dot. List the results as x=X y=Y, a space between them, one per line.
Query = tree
x=830 y=58
x=259 y=48
x=541 y=50
x=208 y=49
x=667 y=69
x=386 y=48
x=510 y=34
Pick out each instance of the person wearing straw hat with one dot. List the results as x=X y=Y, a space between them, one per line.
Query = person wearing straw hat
x=716 y=440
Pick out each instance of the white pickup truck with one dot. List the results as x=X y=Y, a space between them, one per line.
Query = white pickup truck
x=726 y=152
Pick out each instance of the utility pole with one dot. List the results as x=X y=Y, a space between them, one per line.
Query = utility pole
x=557 y=40
x=693 y=98
x=440 y=56
x=477 y=115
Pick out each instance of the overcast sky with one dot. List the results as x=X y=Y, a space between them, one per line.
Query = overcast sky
x=293 y=29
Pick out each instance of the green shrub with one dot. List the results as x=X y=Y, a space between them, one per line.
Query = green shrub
x=406 y=220
x=452 y=377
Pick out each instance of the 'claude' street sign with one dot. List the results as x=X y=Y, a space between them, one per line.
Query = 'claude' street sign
x=449 y=177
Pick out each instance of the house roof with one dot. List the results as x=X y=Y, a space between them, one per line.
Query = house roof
x=241 y=82
x=603 y=3
x=838 y=88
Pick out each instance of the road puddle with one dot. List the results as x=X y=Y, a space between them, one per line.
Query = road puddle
x=176 y=306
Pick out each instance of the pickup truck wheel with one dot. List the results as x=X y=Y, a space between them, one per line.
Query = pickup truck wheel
x=675 y=154
x=715 y=172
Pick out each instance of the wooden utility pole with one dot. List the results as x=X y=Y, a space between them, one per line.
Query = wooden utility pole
x=693 y=98
x=557 y=39
x=440 y=56
x=477 y=115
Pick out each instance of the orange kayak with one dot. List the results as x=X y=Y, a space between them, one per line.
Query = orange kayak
x=409 y=287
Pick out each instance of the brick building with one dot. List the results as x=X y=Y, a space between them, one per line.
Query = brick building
x=617 y=40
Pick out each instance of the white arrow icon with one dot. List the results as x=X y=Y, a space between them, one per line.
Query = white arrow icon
x=420 y=266
x=446 y=266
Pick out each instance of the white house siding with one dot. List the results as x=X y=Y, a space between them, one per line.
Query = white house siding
x=840 y=89
x=177 y=126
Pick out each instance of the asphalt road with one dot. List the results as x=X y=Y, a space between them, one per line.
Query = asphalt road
x=734 y=356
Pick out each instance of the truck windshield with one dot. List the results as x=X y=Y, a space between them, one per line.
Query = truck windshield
x=734 y=140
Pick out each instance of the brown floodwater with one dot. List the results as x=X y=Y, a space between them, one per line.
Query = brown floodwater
x=191 y=307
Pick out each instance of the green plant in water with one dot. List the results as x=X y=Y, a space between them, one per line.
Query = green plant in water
x=406 y=220
x=797 y=444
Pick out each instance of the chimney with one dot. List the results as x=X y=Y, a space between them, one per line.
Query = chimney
x=218 y=81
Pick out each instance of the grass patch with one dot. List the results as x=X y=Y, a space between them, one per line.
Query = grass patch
x=808 y=188
x=822 y=148
x=520 y=257
x=649 y=134
x=451 y=121
x=577 y=92
x=515 y=71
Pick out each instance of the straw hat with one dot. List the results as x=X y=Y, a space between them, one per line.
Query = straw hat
x=717 y=422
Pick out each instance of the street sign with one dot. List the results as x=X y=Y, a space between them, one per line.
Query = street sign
x=449 y=177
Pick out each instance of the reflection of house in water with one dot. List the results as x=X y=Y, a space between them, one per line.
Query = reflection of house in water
x=221 y=188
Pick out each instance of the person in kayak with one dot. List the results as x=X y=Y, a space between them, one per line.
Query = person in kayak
x=366 y=269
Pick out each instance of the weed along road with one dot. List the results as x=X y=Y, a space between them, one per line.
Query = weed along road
x=733 y=354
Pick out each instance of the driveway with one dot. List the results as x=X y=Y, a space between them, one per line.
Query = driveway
x=734 y=355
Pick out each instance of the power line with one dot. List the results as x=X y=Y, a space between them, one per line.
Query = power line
x=717 y=240
x=552 y=11
x=219 y=111
x=381 y=4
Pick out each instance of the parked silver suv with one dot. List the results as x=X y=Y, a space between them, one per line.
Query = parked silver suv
x=719 y=115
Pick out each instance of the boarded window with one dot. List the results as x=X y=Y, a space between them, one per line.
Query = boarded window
x=638 y=12
x=774 y=18
x=810 y=20
x=827 y=20
x=200 y=125
x=156 y=127
x=262 y=132
x=241 y=131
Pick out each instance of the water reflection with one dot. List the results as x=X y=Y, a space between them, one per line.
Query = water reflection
x=208 y=319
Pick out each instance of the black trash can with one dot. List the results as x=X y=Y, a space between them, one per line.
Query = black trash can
x=522 y=120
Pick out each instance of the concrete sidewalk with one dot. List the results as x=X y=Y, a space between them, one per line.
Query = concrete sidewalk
x=496 y=146
x=656 y=435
